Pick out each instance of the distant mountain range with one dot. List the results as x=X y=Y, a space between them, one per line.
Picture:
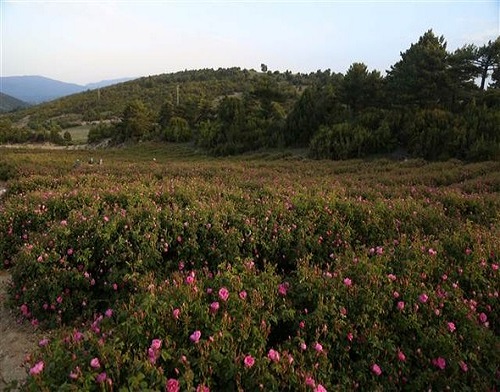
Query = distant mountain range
x=8 y=103
x=37 y=89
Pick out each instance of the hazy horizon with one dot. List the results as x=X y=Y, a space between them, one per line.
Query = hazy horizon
x=86 y=42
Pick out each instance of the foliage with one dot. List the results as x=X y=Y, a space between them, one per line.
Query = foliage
x=160 y=267
x=101 y=131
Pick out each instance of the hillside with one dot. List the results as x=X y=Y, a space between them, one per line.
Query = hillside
x=408 y=112
x=196 y=88
x=8 y=103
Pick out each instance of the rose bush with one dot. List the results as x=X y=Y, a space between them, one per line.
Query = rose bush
x=240 y=274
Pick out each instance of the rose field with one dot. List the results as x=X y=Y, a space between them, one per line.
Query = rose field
x=162 y=269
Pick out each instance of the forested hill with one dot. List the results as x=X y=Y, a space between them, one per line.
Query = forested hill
x=8 y=103
x=189 y=91
x=433 y=103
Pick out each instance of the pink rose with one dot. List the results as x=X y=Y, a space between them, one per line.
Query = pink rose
x=376 y=369
x=483 y=318
x=214 y=307
x=283 y=289
x=43 y=342
x=423 y=298
x=94 y=363
x=37 y=368
x=223 y=294
x=156 y=344
x=249 y=361
x=439 y=362
x=101 y=377
x=172 y=385
x=310 y=382
x=195 y=336
x=273 y=355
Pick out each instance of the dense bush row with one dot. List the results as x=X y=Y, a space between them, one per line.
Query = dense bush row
x=228 y=275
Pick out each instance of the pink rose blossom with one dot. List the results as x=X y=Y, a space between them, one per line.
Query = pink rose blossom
x=273 y=355
x=24 y=309
x=318 y=347
x=75 y=373
x=223 y=294
x=156 y=344
x=439 y=362
x=283 y=289
x=77 y=336
x=451 y=327
x=310 y=382
x=101 y=377
x=401 y=305
x=189 y=279
x=401 y=356
x=243 y=294
x=483 y=318
x=43 y=342
x=195 y=336
x=94 y=363
x=37 y=368
x=392 y=277
x=249 y=361
x=303 y=346
x=152 y=356
x=463 y=366
x=176 y=313
x=350 y=336
x=348 y=282
x=172 y=385
x=108 y=313
x=376 y=369
x=423 y=298
x=320 y=388
x=214 y=307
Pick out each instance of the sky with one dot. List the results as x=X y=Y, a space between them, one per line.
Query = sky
x=89 y=41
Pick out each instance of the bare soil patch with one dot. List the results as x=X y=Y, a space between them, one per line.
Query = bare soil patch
x=17 y=340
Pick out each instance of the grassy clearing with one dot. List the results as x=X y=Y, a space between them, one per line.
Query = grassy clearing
x=79 y=134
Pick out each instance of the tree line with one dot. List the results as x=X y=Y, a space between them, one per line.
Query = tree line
x=433 y=103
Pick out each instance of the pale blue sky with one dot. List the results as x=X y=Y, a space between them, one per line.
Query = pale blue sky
x=88 y=41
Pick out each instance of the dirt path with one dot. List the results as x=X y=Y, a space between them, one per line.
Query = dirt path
x=16 y=340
